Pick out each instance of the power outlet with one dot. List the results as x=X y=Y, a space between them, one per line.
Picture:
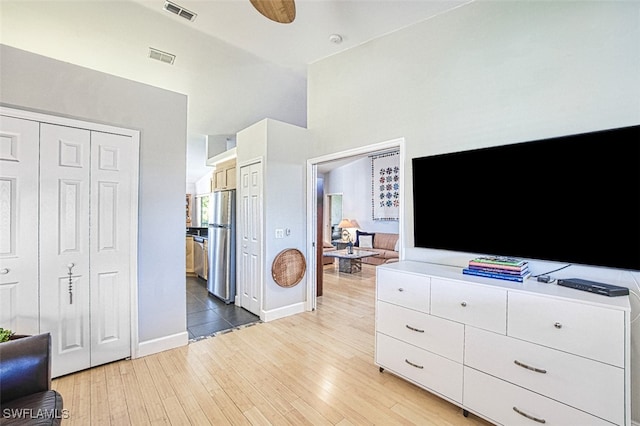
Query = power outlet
x=279 y=233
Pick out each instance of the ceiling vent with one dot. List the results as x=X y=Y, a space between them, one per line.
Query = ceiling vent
x=179 y=10
x=161 y=56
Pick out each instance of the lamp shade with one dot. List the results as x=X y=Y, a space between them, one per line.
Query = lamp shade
x=355 y=224
x=345 y=223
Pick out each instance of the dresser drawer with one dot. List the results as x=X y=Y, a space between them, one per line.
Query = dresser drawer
x=433 y=372
x=588 y=385
x=569 y=326
x=509 y=404
x=434 y=334
x=409 y=290
x=479 y=306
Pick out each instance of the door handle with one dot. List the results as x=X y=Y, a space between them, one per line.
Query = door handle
x=70 y=267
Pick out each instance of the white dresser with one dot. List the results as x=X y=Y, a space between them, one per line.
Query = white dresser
x=513 y=353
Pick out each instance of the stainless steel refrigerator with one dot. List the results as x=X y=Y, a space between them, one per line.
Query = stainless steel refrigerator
x=221 y=281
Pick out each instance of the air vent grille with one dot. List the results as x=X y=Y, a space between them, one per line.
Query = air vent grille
x=161 y=56
x=179 y=10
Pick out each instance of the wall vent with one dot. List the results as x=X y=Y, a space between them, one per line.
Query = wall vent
x=161 y=56
x=179 y=10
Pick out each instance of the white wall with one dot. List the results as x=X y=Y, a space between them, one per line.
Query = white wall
x=487 y=73
x=353 y=181
x=41 y=84
x=203 y=185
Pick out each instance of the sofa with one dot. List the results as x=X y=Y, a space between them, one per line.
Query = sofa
x=385 y=244
x=26 y=396
x=327 y=260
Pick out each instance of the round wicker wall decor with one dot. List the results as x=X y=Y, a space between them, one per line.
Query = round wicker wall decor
x=288 y=267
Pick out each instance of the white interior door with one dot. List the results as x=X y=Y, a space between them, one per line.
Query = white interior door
x=85 y=198
x=64 y=245
x=250 y=227
x=110 y=234
x=19 y=309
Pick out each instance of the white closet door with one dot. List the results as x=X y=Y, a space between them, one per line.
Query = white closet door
x=64 y=245
x=250 y=226
x=19 y=225
x=110 y=234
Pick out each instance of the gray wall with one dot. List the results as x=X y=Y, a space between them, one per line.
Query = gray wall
x=487 y=73
x=41 y=84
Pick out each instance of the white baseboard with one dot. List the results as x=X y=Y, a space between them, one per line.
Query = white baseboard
x=164 y=343
x=285 y=311
x=634 y=423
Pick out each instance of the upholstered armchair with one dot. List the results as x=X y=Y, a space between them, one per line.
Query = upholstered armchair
x=26 y=397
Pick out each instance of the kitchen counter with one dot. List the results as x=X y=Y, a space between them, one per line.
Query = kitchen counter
x=197 y=231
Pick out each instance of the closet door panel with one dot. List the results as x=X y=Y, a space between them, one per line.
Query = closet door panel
x=111 y=157
x=19 y=141
x=64 y=245
x=73 y=317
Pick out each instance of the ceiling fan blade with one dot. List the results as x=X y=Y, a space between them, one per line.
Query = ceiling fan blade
x=283 y=11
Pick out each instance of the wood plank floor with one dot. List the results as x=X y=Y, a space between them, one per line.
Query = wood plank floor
x=314 y=368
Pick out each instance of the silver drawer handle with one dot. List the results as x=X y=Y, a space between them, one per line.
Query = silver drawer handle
x=529 y=416
x=557 y=325
x=414 y=329
x=463 y=304
x=4 y=271
x=528 y=367
x=413 y=365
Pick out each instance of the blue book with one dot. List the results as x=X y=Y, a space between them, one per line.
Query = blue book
x=524 y=271
x=508 y=277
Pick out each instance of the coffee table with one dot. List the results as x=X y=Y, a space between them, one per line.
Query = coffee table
x=350 y=263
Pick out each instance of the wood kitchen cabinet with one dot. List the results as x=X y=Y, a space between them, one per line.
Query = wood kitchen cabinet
x=189 y=261
x=224 y=176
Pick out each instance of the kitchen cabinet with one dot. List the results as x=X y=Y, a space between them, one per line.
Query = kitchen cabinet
x=525 y=354
x=224 y=176
x=189 y=261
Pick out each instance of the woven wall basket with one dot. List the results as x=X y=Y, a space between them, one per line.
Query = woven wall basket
x=288 y=267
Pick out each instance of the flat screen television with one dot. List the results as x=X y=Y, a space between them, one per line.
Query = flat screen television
x=573 y=199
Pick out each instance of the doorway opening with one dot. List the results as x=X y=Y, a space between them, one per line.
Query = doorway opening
x=316 y=168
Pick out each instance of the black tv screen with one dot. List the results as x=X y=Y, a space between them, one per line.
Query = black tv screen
x=573 y=199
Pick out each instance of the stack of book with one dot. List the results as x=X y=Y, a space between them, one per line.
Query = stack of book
x=504 y=268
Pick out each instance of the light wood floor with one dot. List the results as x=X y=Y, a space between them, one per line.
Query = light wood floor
x=314 y=368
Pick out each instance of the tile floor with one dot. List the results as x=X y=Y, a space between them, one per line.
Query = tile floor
x=207 y=315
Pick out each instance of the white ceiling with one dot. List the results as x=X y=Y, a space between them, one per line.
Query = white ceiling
x=236 y=66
